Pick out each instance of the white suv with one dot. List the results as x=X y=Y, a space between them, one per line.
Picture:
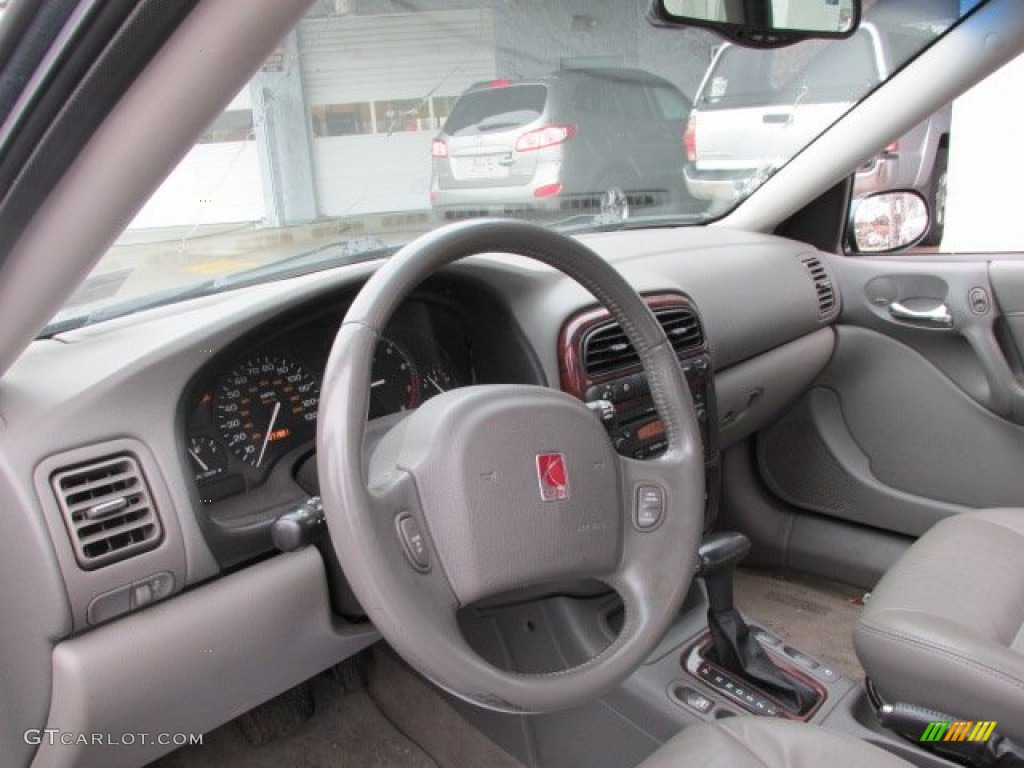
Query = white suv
x=749 y=119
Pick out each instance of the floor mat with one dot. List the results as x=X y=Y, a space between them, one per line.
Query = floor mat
x=346 y=731
x=812 y=614
x=415 y=707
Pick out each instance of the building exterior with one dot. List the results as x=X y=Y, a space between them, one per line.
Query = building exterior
x=319 y=133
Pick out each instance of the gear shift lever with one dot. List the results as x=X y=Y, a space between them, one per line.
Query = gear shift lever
x=733 y=647
x=719 y=554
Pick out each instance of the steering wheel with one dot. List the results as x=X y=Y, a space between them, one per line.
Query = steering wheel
x=488 y=488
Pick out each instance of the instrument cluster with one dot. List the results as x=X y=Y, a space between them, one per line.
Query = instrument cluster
x=254 y=408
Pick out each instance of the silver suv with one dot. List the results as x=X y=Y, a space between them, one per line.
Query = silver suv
x=579 y=140
x=750 y=119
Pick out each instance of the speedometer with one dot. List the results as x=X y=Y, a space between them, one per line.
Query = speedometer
x=265 y=406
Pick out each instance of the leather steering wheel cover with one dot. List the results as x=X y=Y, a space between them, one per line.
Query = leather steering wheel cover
x=416 y=613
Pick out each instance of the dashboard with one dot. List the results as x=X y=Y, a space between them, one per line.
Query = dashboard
x=209 y=408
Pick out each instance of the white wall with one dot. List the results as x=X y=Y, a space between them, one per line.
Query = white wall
x=986 y=166
x=214 y=183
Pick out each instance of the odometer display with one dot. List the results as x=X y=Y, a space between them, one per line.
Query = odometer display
x=264 y=407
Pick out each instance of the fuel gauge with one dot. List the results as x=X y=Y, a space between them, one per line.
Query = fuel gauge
x=209 y=459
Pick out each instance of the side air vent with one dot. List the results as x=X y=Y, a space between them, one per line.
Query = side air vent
x=108 y=510
x=822 y=285
x=606 y=349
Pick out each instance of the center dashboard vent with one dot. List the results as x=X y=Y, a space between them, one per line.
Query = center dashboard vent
x=108 y=510
x=606 y=348
x=822 y=285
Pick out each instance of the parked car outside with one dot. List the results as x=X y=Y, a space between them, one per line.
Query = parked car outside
x=579 y=140
x=749 y=119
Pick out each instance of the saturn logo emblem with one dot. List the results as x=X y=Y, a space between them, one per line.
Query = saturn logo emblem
x=552 y=476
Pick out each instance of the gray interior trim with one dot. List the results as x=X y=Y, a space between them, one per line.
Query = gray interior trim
x=891 y=398
x=84 y=585
x=1008 y=283
x=810 y=460
x=754 y=393
x=34 y=613
x=856 y=716
x=753 y=291
x=783 y=536
x=853 y=554
x=968 y=350
x=154 y=673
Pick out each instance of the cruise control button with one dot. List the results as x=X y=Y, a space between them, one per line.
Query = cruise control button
x=650 y=506
x=413 y=543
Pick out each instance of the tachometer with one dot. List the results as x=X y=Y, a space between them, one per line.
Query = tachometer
x=265 y=406
x=394 y=386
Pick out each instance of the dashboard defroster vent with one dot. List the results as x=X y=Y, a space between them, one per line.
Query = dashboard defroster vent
x=108 y=510
x=606 y=348
x=822 y=285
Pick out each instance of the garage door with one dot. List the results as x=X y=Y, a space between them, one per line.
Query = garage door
x=376 y=100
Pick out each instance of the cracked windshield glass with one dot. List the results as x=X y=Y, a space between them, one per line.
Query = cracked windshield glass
x=377 y=120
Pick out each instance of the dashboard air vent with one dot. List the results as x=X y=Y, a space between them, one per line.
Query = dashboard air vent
x=108 y=510
x=606 y=349
x=822 y=285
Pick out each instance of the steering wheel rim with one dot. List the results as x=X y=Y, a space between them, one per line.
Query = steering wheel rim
x=474 y=552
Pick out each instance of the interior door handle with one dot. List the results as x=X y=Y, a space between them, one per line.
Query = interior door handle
x=939 y=315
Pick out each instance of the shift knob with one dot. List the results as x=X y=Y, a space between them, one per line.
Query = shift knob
x=719 y=554
x=722 y=550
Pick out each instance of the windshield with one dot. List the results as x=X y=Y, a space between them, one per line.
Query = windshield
x=374 y=122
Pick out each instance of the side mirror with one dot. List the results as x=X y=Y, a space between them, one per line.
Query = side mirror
x=887 y=221
x=763 y=23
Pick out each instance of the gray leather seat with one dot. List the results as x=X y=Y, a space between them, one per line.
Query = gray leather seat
x=945 y=626
x=758 y=742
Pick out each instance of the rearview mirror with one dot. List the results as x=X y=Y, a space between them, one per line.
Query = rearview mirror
x=764 y=23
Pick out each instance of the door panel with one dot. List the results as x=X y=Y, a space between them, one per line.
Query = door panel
x=919 y=413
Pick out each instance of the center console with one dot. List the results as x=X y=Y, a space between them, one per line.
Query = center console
x=597 y=362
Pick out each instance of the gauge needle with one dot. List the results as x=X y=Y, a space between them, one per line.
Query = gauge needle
x=436 y=386
x=199 y=461
x=270 y=431
x=378 y=383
